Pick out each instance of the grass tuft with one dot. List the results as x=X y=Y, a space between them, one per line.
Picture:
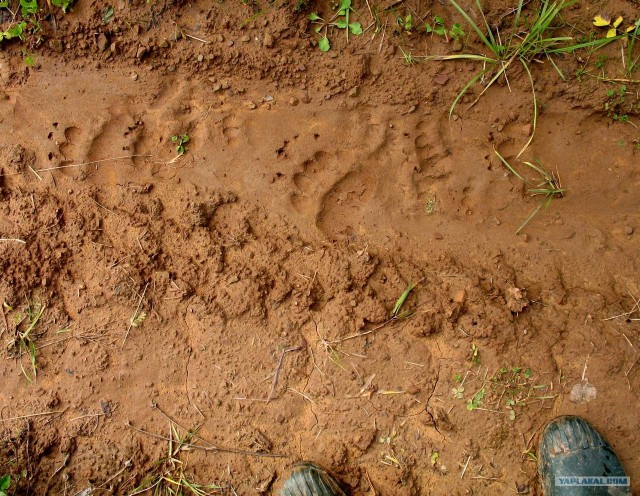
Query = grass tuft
x=168 y=475
x=23 y=342
x=548 y=186
x=524 y=43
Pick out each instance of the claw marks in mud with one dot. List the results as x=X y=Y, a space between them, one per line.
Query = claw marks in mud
x=116 y=134
x=68 y=150
x=312 y=180
x=341 y=190
x=230 y=128
x=344 y=205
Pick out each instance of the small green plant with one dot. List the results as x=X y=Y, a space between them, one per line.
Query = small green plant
x=438 y=27
x=474 y=354
x=341 y=19
x=5 y=483
x=107 y=14
x=24 y=338
x=14 y=32
x=476 y=400
x=28 y=59
x=405 y=23
x=432 y=206
x=601 y=63
x=181 y=143
x=614 y=105
x=508 y=389
x=549 y=186
x=395 y=314
x=408 y=58
x=63 y=4
x=28 y=7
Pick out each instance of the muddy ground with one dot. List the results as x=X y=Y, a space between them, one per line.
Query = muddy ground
x=247 y=288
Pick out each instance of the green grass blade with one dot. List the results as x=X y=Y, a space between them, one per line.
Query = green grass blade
x=516 y=20
x=474 y=26
x=524 y=224
x=596 y=44
x=469 y=84
x=508 y=166
x=545 y=175
x=402 y=299
x=560 y=73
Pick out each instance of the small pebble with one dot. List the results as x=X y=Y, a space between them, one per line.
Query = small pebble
x=628 y=230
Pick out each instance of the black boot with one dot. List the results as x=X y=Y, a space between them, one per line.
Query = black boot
x=307 y=479
x=573 y=458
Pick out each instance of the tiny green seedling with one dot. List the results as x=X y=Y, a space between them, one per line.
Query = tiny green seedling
x=476 y=400
x=431 y=207
x=107 y=14
x=408 y=58
x=474 y=355
x=14 y=32
x=438 y=27
x=405 y=23
x=28 y=7
x=181 y=143
x=549 y=187
x=28 y=59
x=615 y=103
x=63 y=4
x=508 y=389
x=395 y=314
x=341 y=19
